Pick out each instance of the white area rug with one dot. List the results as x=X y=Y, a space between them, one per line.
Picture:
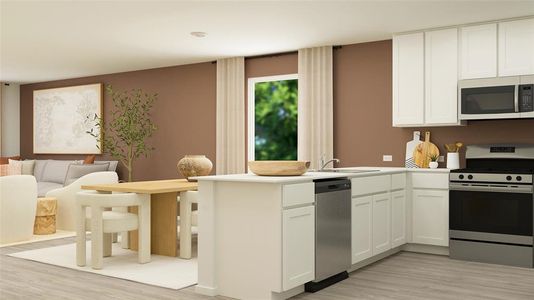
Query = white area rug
x=163 y=271
x=43 y=237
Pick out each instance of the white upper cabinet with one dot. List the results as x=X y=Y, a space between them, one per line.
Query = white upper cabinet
x=441 y=76
x=478 y=51
x=408 y=79
x=516 y=47
x=425 y=76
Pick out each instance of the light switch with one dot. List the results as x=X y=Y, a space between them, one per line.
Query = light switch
x=441 y=158
x=387 y=158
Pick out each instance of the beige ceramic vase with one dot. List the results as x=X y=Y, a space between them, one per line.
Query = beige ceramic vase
x=194 y=165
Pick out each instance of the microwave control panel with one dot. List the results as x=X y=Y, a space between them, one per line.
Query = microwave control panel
x=526 y=97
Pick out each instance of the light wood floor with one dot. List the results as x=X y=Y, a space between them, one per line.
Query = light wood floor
x=401 y=276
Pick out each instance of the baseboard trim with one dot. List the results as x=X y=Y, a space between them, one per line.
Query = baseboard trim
x=288 y=294
x=419 y=248
x=374 y=259
x=205 y=290
x=428 y=249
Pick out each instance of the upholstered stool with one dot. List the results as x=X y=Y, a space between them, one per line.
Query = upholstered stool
x=45 y=216
x=102 y=223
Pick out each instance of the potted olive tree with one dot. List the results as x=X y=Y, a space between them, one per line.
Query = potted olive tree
x=125 y=136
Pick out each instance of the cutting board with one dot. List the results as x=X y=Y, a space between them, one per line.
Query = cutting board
x=410 y=147
x=423 y=151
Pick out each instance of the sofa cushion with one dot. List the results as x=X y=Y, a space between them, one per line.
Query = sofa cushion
x=76 y=171
x=40 y=165
x=44 y=187
x=27 y=166
x=14 y=167
x=56 y=170
x=112 y=164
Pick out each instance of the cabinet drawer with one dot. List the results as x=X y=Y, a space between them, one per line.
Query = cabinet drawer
x=398 y=181
x=298 y=194
x=370 y=185
x=430 y=181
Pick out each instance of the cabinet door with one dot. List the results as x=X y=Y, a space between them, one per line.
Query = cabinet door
x=298 y=246
x=362 y=224
x=408 y=79
x=516 y=47
x=478 y=51
x=430 y=216
x=381 y=223
x=398 y=218
x=441 y=76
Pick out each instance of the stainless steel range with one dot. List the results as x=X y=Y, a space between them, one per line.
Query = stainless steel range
x=491 y=206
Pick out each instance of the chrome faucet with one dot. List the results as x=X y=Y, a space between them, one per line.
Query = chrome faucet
x=324 y=164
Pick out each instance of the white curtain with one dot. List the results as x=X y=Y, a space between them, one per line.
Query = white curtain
x=230 y=116
x=315 y=108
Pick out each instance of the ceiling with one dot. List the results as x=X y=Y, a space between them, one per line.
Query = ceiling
x=50 y=40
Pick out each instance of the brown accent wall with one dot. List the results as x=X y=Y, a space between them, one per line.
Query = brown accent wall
x=363 y=108
x=184 y=114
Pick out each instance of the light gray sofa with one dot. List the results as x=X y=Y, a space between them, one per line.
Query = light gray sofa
x=53 y=174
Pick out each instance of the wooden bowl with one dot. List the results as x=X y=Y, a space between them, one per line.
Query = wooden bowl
x=278 y=167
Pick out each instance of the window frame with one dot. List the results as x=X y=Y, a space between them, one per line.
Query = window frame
x=251 y=107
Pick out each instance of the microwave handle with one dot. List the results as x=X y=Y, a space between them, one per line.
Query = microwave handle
x=516 y=99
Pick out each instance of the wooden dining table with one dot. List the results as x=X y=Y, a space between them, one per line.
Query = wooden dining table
x=163 y=212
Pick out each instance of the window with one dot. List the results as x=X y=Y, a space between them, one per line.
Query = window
x=272 y=117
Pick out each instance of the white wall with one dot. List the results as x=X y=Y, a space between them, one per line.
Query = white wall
x=10 y=119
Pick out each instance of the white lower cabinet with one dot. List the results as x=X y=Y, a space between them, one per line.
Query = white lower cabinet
x=381 y=223
x=298 y=246
x=362 y=228
x=398 y=218
x=430 y=217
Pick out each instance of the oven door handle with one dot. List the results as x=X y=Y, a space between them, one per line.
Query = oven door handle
x=516 y=98
x=524 y=189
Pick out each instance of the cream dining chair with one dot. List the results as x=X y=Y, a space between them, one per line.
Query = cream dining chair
x=102 y=223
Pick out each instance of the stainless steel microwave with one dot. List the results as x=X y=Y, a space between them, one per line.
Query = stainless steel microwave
x=496 y=98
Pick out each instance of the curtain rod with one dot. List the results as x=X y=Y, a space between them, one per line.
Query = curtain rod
x=277 y=54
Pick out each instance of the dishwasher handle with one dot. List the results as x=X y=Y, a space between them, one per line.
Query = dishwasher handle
x=328 y=186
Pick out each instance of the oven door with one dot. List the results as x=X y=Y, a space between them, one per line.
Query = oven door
x=485 y=213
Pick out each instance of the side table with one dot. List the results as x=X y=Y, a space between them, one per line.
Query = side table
x=45 y=216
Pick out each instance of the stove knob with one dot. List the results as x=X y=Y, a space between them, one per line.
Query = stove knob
x=518 y=178
x=461 y=176
x=470 y=177
x=508 y=177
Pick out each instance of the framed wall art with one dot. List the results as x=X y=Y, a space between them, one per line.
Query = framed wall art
x=62 y=117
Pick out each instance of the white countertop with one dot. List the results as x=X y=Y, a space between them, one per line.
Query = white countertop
x=310 y=176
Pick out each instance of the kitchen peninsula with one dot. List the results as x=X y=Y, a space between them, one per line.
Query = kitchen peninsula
x=257 y=234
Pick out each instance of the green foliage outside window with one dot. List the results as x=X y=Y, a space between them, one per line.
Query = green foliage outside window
x=276 y=120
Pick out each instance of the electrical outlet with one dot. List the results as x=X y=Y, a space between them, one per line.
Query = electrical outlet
x=441 y=158
x=387 y=158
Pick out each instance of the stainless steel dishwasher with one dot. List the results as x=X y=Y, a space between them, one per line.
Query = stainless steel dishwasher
x=332 y=232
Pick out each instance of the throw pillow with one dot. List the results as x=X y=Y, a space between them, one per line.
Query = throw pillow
x=56 y=169
x=112 y=164
x=76 y=171
x=27 y=166
x=4 y=160
x=14 y=167
x=89 y=159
